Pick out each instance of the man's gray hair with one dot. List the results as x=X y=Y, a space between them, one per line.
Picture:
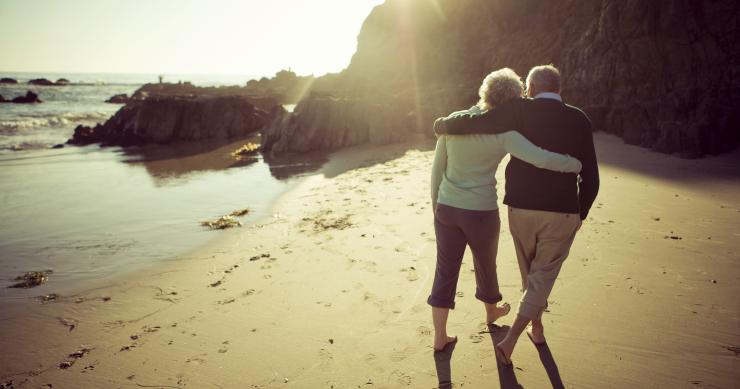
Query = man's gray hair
x=500 y=86
x=544 y=78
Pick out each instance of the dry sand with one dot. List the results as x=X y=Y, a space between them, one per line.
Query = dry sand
x=331 y=292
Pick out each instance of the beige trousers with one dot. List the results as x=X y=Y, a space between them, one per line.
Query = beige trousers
x=542 y=241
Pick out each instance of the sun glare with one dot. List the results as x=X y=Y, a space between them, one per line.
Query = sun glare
x=194 y=37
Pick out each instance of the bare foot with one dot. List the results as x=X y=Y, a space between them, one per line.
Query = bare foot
x=440 y=343
x=536 y=333
x=504 y=349
x=494 y=312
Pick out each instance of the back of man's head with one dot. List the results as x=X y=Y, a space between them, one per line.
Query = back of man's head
x=543 y=78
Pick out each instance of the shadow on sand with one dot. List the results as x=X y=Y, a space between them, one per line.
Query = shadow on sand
x=612 y=151
x=442 y=360
x=507 y=376
x=166 y=164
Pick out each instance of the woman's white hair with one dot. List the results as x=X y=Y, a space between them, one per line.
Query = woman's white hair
x=500 y=86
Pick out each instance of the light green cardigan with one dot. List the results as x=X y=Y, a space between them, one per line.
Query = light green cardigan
x=464 y=168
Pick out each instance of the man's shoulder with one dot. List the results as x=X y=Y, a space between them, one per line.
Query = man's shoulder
x=511 y=107
x=577 y=113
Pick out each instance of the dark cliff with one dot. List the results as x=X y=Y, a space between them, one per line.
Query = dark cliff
x=663 y=74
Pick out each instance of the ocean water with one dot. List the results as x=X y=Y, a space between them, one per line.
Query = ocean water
x=91 y=213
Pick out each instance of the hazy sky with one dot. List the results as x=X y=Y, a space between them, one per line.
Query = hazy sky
x=254 y=37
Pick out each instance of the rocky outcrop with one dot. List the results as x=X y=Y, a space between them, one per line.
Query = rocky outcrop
x=41 y=82
x=286 y=86
x=29 y=98
x=327 y=122
x=6 y=80
x=62 y=81
x=118 y=99
x=85 y=135
x=188 y=90
x=165 y=120
x=662 y=74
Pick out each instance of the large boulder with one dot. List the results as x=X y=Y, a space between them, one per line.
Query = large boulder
x=41 y=82
x=165 y=120
x=29 y=98
x=84 y=135
x=661 y=74
x=6 y=80
x=62 y=81
x=118 y=99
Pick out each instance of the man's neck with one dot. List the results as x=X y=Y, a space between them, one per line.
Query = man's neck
x=548 y=95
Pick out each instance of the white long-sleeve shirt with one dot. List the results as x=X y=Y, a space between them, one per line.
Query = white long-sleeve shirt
x=464 y=168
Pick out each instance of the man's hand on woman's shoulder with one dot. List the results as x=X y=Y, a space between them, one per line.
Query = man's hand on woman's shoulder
x=440 y=125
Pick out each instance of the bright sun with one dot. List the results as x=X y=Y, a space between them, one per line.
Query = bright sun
x=172 y=36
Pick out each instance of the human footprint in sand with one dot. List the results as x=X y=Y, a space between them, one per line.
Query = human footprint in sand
x=465 y=203
x=546 y=209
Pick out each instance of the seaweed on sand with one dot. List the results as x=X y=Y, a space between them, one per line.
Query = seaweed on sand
x=31 y=279
x=221 y=223
x=240 y=212
x=248 y=150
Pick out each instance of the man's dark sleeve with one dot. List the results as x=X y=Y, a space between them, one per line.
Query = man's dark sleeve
x=588 y=186
x=495 y=121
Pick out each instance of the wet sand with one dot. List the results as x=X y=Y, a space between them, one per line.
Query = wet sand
x=330 y=292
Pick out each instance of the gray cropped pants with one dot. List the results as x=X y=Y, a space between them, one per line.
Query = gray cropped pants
x=456 y=228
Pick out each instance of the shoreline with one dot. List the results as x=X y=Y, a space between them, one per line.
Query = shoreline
x=91 y=250
x=332 y=293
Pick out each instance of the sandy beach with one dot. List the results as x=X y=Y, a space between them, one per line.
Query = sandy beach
x=330 y=292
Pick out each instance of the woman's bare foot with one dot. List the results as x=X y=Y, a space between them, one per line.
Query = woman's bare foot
x=440 y=343
x=504 y=349
x=494 y=312
x=536 y=333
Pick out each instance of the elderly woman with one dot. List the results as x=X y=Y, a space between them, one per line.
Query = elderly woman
x=465 y=203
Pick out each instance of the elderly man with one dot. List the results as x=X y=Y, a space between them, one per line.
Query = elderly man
x=546 y=208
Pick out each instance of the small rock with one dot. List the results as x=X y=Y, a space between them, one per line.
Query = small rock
x=47 y=298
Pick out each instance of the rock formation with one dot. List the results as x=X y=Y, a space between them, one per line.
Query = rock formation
x=118 y=99
x=285 y=87
x=41 y=82
x=164 y=120
x=29 y=98
x=661 y=74
x=62 y=81
x=6 y=80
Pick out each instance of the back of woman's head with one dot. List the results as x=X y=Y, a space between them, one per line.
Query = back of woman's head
x=500 y=86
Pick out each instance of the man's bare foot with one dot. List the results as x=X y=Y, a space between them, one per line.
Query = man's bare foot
x=494 y=312
x=504 y=349
x=440 y=343
x=536 y=333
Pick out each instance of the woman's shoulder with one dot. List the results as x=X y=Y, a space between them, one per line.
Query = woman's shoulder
x=474 y=110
